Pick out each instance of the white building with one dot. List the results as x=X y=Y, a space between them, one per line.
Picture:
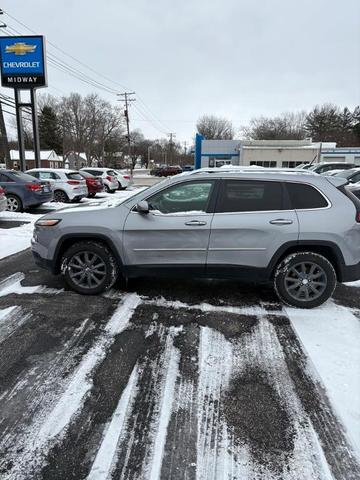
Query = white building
x=269 y=153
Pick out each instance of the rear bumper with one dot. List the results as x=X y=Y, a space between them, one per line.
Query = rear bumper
x=3 y=203
x=37 y=199
x=350 y=273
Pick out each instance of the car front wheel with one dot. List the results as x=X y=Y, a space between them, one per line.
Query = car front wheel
x=89 y=267
x=304 y=280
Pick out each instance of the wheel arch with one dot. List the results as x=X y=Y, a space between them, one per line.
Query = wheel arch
x=67 y=240
x=327 y=249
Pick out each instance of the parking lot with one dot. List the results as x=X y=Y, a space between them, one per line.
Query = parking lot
x=172 y=379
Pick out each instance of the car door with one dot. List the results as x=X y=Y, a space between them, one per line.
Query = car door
x=175 y=232
x=250 y=224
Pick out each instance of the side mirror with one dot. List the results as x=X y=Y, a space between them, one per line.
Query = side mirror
x=142 y=207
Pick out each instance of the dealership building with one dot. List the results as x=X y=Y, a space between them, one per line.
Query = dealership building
x=269 y=153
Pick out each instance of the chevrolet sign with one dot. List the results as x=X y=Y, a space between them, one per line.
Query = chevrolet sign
x=23 y=61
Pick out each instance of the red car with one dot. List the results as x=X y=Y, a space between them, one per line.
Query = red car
x=169 y=171
x=94 y=184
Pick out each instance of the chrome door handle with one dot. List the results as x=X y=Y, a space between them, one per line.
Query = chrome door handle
x=196 y=223
x=281 y=221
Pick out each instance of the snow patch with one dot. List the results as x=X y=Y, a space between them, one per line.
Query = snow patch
x=331 y=336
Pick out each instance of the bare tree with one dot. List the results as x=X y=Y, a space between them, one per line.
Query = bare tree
x=215 y=128
x=288 y=126
x=88 y=122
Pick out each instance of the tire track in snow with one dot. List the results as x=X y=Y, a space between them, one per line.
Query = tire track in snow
x=332 y=436
x=50 y=423
x=140 y=451
x=229 y=445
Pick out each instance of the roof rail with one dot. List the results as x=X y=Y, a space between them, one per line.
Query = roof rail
x=240 y=169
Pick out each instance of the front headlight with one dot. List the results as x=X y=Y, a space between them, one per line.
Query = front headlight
x=47 y=222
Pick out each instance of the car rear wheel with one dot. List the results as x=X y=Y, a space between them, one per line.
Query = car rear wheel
x=60 y=196
x=14 y=204
x=304 y=280
x=89 y=267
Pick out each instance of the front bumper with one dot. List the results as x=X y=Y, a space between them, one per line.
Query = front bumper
x=43 y=262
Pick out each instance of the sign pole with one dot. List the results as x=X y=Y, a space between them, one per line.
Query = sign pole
x=35 y=128
x=20 y=129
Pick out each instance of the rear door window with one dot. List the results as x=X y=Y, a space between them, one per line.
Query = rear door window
x=23 y=176
x=5 y=178
x=74 y=176
x=250 y=196
x=304 y=196
x=111 y=173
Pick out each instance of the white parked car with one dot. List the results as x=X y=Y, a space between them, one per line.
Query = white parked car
x=68 y=185
x=123 y=178
x=108 y=176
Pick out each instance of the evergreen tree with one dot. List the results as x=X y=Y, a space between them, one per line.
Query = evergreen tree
x=323 y=123
x=50 y=130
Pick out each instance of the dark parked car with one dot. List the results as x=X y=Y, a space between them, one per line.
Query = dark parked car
x=23 y=191
x=354 y=189
x=323 y=167
x=94 y=184
x=169 y=171
x=352 y=175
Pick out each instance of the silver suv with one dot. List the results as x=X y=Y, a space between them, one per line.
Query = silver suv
x=299 y=230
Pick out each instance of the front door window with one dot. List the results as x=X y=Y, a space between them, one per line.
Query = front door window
x=189 y=197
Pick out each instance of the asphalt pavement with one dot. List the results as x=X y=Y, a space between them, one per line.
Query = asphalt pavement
x=170 y=379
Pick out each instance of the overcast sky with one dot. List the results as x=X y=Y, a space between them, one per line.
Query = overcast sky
x=234 y=58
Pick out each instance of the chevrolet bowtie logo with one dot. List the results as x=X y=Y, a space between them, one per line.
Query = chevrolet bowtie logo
x=20 y=48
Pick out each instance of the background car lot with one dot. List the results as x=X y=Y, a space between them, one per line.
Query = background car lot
x=108 y=176
x=68 y=185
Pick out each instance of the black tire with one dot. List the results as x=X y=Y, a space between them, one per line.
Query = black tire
x=106 y=274
x=14 y=203
x=304 y=280
x=91 y=195
x=107 y=189
x=60 y=196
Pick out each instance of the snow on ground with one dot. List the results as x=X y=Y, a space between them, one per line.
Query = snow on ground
x=14 y=240
x=331 y=337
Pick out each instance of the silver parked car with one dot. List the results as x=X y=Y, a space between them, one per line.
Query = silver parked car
x=297 y=230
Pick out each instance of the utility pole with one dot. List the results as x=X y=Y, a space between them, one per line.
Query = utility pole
x=4 y=144
x=127 y=100
x=171 y=135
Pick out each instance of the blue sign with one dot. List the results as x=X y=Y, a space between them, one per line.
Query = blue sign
x=23 y=61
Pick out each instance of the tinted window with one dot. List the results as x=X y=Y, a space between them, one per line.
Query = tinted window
x=111 y=172
x=304 y=196
x=187 y=197
x=4 y=178
x=23 y=176
x=94 y=172
x=86 y=174
x=74 y=176
x=250 y=196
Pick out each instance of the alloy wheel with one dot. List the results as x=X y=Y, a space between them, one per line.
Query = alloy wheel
x=12 y=204
x=87 y=269
x=305 y=281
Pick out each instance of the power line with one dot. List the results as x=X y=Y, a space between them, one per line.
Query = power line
x=59 y=64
